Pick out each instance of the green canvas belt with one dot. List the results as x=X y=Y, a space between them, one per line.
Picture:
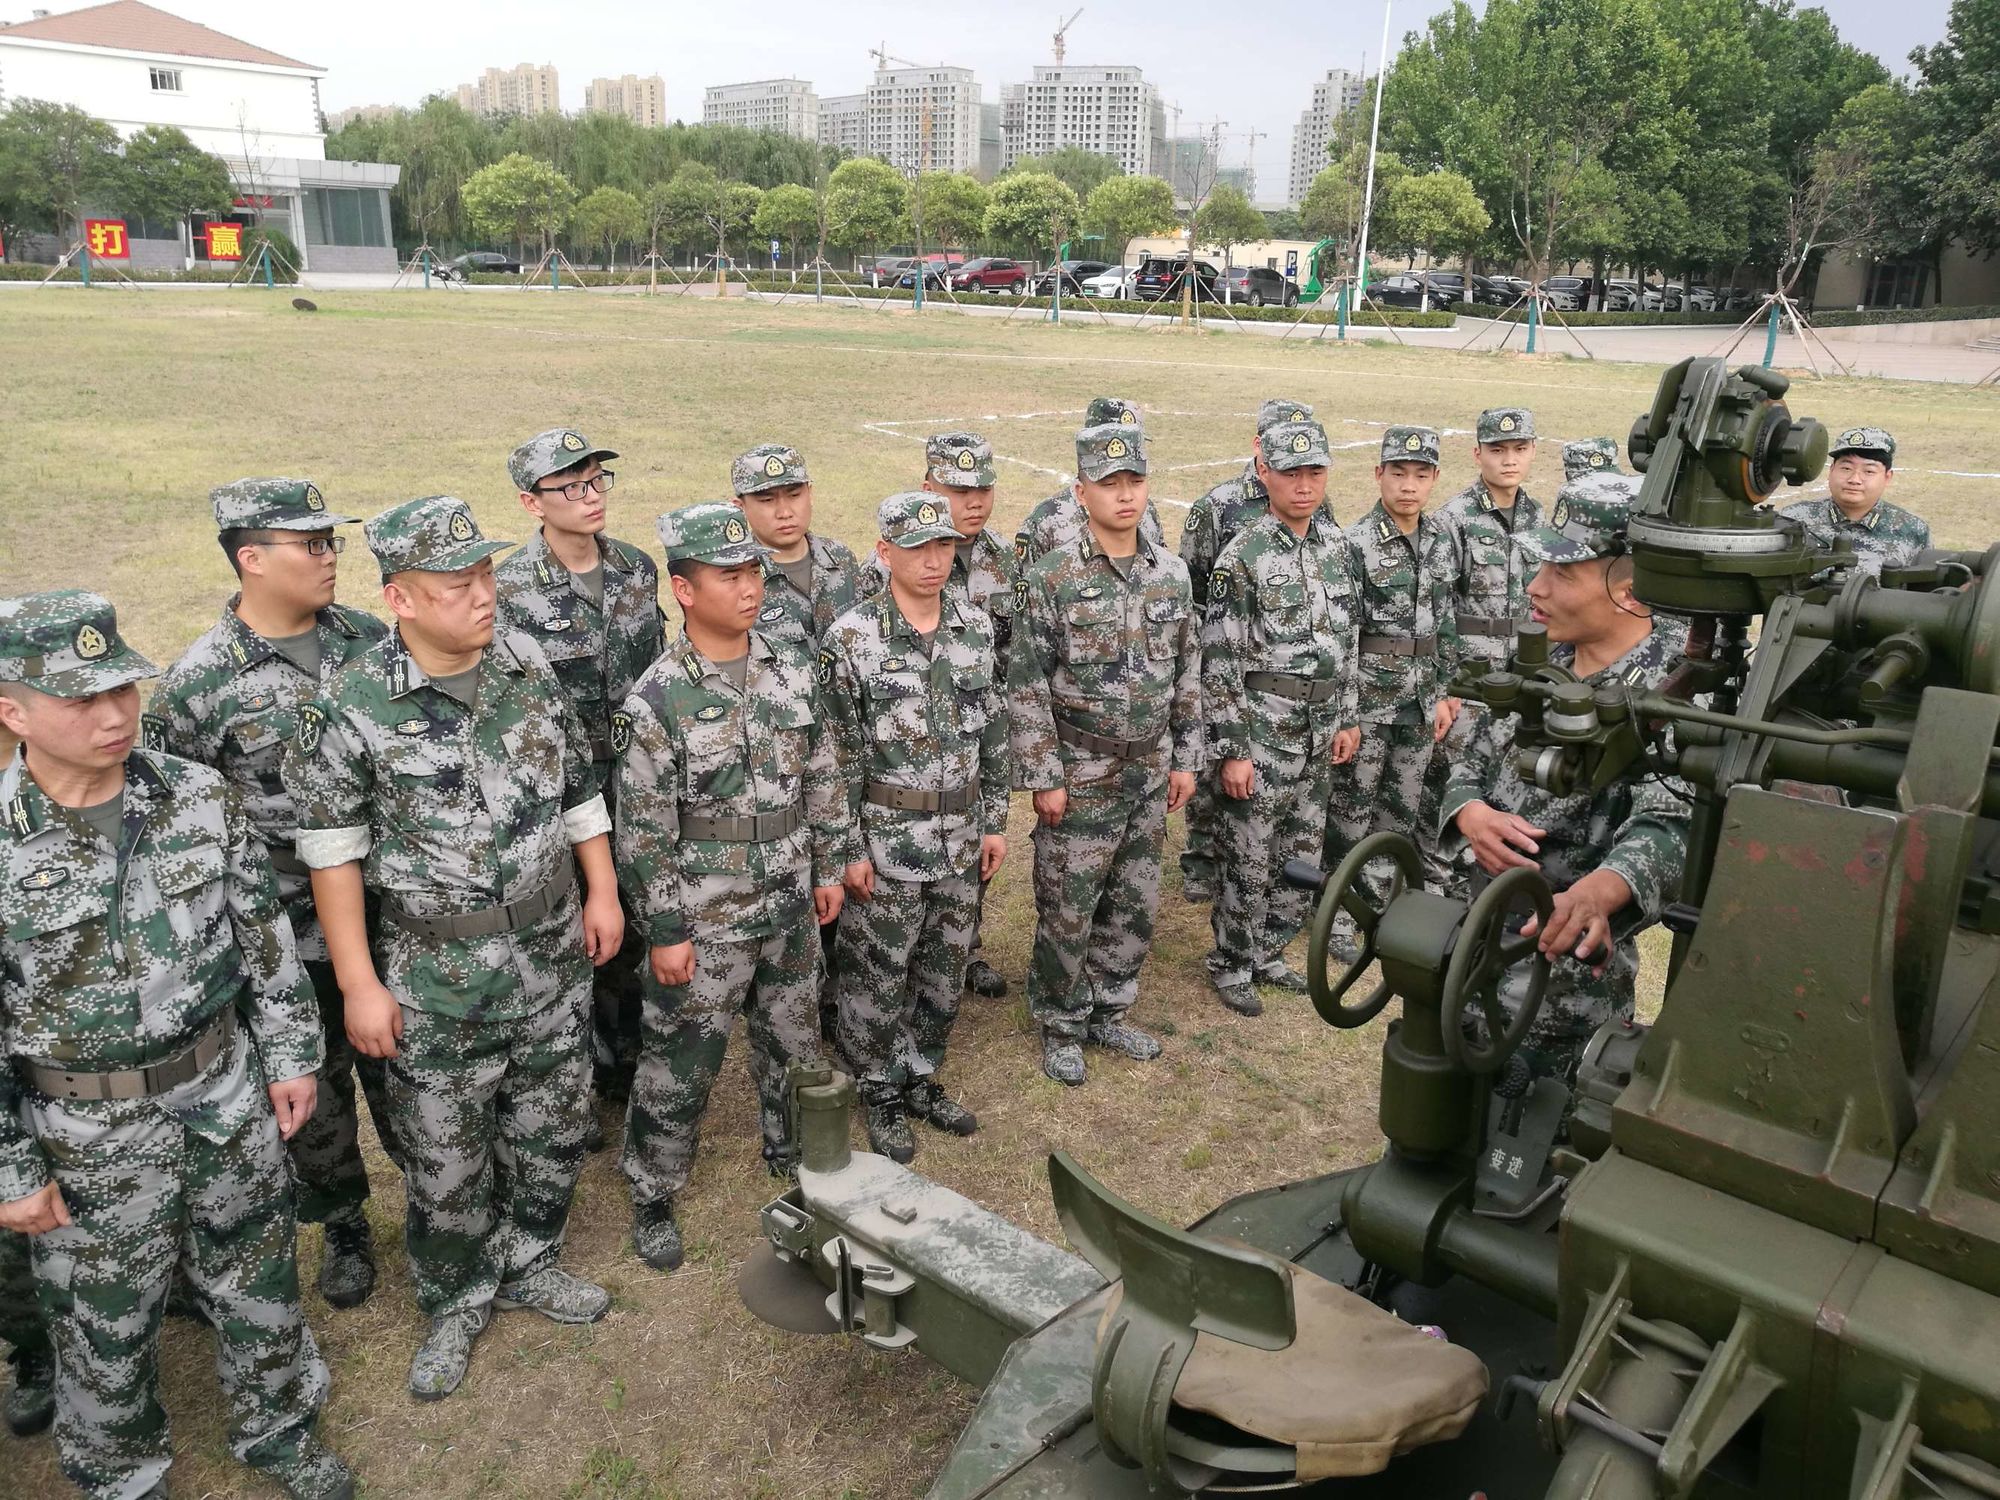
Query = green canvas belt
x=753 y=828
x=1389 y=645
x=911 y=799
x=54 y=1081
x=1292 y=685
x=1108 y=744
x=512 y=916
x=1485 y=625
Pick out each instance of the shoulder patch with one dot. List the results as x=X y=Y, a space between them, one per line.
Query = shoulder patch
x=312 y=722
x=691 y=664
x=1021 y=596
x=1221 y=586
x=153 y=732
x=621 y=732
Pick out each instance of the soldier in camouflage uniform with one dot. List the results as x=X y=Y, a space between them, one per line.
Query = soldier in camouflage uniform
x=232 y=702
x=1211 y=522
x=31 y=1403
x=1592 y=455
x=909 y=688
x=1059 y=520
x=809 y=580
x=1105 y=689
x=1405 y=563
x=446 y=770
x=1881 y=534
x=1614 y=856
x=592 y=603
x=733 y=831
x=959 y=466
x=1278 y=693
x=160 y=1043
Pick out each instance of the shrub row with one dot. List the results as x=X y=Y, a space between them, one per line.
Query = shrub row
x=99 y=276
x=1597 y=319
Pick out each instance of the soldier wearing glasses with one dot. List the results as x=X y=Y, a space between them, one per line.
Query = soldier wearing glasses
x=232 y=703
x=592 y=603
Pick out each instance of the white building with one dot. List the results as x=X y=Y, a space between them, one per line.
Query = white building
x=525 y=89
x=643 y=101
x=843 y=123
x=1333 y=96
x=133 y=65
x=1111 y=111
x=783 y=106
x=924 y=119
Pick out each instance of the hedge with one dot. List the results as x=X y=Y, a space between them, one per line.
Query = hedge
x=1834 y=318
x=1597 y=319
x=99 y=276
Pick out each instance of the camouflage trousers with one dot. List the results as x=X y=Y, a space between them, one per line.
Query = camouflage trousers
x=147 y=1193
x=491 y=1115
x=1255 y=913
x=902 y=969
x=1382 y=788
x=615 y=1000
x=773 y=981
x=21 y=1324
x=1202 y=855
x=1097 y=888
x=1440 y=873
x=326 y=1151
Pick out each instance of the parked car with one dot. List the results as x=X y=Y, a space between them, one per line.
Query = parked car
x=937 y=276
x=890 y=269
x=1257 y=285
x=1491 y=291
x=1700 y=298
x=1621 y=295
x=1074 y=274
x=484 y=261
x=1161 y=276
x=1116 y=281
x=990 y=273
x=1404 y=289
x=1566 y=293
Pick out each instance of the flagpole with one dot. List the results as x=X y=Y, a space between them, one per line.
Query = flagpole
x=1374 y=134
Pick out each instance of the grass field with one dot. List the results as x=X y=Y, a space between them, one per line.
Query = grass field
x=124 y=409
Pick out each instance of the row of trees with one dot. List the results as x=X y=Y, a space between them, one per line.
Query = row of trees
x=56 y=162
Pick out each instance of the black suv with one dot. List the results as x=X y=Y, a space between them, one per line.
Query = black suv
x=1161 y=276
x=1074 y=274
x=1258 y=286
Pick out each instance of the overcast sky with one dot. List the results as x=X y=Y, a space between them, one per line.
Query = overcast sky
x=1252 y=66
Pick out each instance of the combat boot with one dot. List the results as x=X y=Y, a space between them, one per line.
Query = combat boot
x=1062 y=1059
x=1240 y=998
x=347 y=1263
x=984 y=980
x=1126 y=1041
x=938 y=1109
x=1281 y=976
x=1198 y=885
x=888 y=1125
x=656 y=1236
x=556 y=1295
x=31 y=1405
x=311 y=1471
x=442 y=1357
x=593 y=1129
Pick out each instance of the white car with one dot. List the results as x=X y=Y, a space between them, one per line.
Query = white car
x=1116 y=282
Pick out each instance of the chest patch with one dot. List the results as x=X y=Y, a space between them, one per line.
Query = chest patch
x=558 y=624
x=1093 y=592
x=46 y=878
x=257 y=703
x=772 y=612
x=894 y=664
x=711 y=713
x=414 y=727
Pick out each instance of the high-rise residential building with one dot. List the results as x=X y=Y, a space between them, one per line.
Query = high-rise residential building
x=924 y=119
x=1111 y=111
x=523 y=90
x=991 y=139
x=1190 y=167
x=843 y=123
x=340 y=117
x=1332 y=97
x=643 y=101
x=783 y=106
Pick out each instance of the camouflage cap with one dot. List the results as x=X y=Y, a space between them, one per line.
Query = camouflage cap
x=1277 y=410
x=1410 y=445
x=1587 y=521
x=962 y=460
x=1591 y=455
x=1294 y=445
x=713 y=532
x=66 y=644
x=1870 y=440
x=768 y=466
x=913 y=518
x=434 y=535
x=1110 y=448
x=1103 y=409
x=273 y=505
x=1505 y=424
x=549 y=453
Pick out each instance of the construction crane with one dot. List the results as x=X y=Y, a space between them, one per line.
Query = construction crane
x=926 y=120
x=1062 y=30
x=1250 y=152
x=883 y=57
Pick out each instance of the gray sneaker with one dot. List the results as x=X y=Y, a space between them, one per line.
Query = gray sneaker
x=656 y=1236
x=1126 y=1041
x=347 y=1264
x=1062 y=1060
x=1240 y=998
x=1281 y=976
x=442 y=1357
x=556 y=1295
x=311 y=1471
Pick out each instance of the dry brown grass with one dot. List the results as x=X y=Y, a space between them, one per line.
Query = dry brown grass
x=123 y=410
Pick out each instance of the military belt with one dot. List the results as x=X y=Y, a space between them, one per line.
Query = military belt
x=1107 y=744
x=511 y=916
x=753 y=828
x=600 y=746
x=54 y=1081
x=1485 y=625
x=285 y=860
x=1388 y=645
x=1292 y=685
x=912 y=799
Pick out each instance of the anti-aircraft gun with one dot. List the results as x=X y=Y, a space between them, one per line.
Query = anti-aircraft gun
x=1754 y=1252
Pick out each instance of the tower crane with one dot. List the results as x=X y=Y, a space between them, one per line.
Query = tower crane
x=1062 y=30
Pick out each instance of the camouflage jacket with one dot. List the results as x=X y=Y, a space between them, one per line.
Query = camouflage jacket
x=1404 y=589
x=788 y=615
x=1887 y=537
x=904 y=717
x=690 y=743
x=1214 y=519
x=1279 y=603
x=1109 y=655
x=1636 y=826
x=114 y=959
x=597 y=651
x=452 y=810
x=985 y=576
x=1492 y=573
x=232 y=702
x=1059 y=520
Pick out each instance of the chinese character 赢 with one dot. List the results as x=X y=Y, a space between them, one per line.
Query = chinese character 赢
x=225 y=242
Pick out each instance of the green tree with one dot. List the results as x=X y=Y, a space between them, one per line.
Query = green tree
x=954 y=207
x=62 y=157
x=518 y=199
x=1960 y=106
x=1439 y=212
x=1081 y=171
x=731 y=213
x=164 y=177
x=1034 y=210
x=788 y=213
x=1228 y=220
x=610 y=217
x=1332 y=209
x=677 y=210
x=867 y=202
x=1121 y=209
x=1283 y=224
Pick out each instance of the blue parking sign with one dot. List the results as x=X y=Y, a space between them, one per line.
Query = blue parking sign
x=1291 y=265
